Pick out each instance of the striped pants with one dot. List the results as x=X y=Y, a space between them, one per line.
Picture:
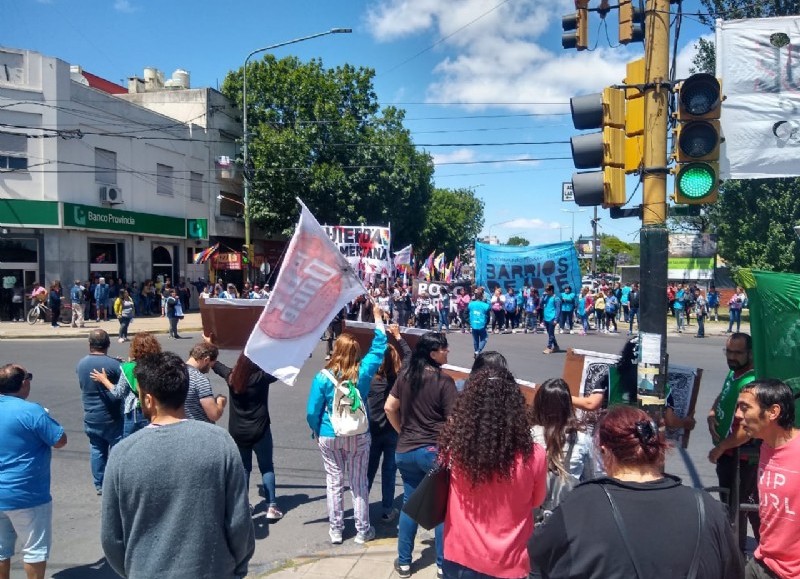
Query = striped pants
x=350 y=454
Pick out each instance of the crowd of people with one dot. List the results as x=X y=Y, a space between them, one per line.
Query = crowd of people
x=535 y=490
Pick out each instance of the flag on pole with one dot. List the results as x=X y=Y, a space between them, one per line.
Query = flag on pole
x=429 y=261
x=440 y=262
x=457 y=268
x=403 y=257
x=204 y=255
x=314 y=283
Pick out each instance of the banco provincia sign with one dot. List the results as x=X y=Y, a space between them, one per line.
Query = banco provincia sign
x=104 y=219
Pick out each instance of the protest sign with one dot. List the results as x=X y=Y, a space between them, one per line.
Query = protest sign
x=365 y=247
x=516 y=266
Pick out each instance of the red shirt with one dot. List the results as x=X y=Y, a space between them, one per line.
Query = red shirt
x=487 y=527
x=779 y=505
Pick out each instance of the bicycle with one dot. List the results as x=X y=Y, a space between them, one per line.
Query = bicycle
x=42 y=310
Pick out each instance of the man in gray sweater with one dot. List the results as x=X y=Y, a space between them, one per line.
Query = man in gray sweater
x=174 y=495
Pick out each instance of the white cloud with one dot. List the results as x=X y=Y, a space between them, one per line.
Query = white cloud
x=531 y=223
x=495 y=55
x=124 y=6
x=457 y=156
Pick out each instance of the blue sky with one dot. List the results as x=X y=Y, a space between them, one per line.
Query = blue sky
x=488 y=78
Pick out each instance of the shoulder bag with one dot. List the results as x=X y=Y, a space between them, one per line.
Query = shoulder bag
x=427 y=505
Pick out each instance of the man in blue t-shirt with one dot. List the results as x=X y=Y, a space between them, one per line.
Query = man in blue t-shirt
x=478 y=310
x=26 y=507
x=102 y=413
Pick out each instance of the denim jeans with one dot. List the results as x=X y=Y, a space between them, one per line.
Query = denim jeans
x=735 y=316
x=134 y=421
x=585 y=322
x=263 y=450
x=679 y=319
x=102 y=437
x=701 y=326
x=124 y=322
x=384 y=445
x=444 y=321
x=453 y=570
x=413 y=466
x=551 y=334
x=479 y=338
x=634 y=313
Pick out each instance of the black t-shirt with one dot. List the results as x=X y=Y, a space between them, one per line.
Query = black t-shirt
x=581 y=539
x=378 y=393
x=249 y=411
x=422 y=414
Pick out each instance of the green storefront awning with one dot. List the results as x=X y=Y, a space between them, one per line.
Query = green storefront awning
x=25 y=213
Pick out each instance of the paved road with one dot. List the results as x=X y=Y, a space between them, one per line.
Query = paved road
x=301 y=479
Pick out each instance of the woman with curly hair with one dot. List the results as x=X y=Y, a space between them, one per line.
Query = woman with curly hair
x=349 y=454
x=421 y=400
x=497 y=478
x=143 y=344
x=637 y=522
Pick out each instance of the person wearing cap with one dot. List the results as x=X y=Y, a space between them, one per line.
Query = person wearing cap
x=26 y=507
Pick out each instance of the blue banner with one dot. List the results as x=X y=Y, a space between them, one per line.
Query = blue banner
x=513 y=266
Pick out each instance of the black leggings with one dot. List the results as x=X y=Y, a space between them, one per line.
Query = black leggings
x=499 y=319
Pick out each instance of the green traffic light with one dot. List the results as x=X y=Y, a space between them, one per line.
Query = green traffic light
x=696 y=180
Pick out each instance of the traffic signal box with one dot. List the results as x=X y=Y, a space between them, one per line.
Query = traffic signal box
x=631 y=21
x=604 y=149
x=246 y=254
x=575 y=27
x=696 y=140
x=634 y=115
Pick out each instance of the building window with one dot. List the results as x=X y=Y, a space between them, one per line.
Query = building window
x=230 y=205
x=105 y=167
x=13 y=151
x=164 y=185
x=196 y=186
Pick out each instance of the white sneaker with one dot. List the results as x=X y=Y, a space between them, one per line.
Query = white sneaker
x=572 y=331
x=336 y=536
x=362 y=538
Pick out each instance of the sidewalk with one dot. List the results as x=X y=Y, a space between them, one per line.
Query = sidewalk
x=375 y=560
x=43 y=330
x=191 y=323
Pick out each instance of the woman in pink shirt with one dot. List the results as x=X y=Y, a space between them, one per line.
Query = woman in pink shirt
x=498 y=476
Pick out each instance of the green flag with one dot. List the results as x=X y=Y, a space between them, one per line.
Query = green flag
x=774 y=300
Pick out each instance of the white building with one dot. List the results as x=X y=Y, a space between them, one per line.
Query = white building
x=97 y=181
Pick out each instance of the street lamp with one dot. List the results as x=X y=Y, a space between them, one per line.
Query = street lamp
x=244 y=120
x=573 y=211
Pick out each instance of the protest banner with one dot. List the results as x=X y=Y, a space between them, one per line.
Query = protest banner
x=515 y=266
x=314 y=283
x=365 y=247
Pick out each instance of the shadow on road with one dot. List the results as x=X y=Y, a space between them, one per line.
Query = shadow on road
x=98 y=570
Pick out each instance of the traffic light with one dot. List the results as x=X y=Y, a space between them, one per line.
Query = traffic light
x=246 y=254
x=696 y=140
x=576 y=27
x=604 y=149
x=634 y=115
x=631 y=21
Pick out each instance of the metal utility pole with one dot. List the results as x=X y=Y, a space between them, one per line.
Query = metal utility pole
x=654 y=236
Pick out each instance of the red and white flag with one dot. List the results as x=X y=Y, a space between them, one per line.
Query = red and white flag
x=314 y=283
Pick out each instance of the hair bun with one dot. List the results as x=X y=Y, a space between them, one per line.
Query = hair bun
x=646 y=432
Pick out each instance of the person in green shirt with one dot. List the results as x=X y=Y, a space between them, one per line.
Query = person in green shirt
x=728 y=434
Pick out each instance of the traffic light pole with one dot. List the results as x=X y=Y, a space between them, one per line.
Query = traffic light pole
x=654 y=237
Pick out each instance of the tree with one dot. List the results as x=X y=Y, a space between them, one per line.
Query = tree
x=319 y=134
x=518 y=241
x=613 y=251
x=453 y=221
x=753 y=219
